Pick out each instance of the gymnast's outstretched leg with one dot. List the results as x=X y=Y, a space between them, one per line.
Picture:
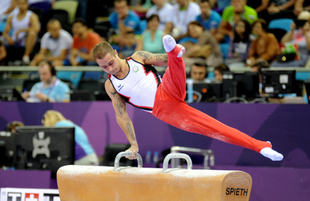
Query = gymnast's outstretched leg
x=170 y=107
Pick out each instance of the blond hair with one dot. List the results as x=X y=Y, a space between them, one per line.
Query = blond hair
x=102 y=49
x=304 y=15
x=51 y=117
x=11 y=126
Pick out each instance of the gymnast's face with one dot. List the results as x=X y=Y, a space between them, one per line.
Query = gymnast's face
x=110 y=63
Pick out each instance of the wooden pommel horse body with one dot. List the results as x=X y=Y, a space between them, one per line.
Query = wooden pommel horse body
x=96 y=183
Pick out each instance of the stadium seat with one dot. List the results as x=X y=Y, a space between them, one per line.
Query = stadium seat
x=44 y=5
x=86 y=91
x=284 y=23
x=224 y=49
x=73 y=76
x=62 y=16
x=82 y=95
x=94 y=10
x=104 y=29
x=96 y=75
x=69 y=6
x=278 y=33
x=39 y=12
x=89 y=85
x=69 y=83
x=2 y=26
x=28 y=83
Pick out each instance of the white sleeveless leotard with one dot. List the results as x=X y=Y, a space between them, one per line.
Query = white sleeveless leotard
x=139 y=86
x=20 y=24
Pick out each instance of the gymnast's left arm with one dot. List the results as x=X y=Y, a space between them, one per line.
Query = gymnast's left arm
x=151 y=59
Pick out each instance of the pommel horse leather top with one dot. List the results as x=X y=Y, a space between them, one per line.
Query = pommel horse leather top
x=95 y=183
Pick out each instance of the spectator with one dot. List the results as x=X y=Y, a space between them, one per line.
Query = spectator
x=182 y=14
x=240 y=45
x=299 y=36
x=6 y=7
x=163 y=9
x=265 y=46
x=198 y=72
x=11 y=126
x=301 y=5
x=50 y=89
x=221 y=4
x=25 y=26
x=209 y=19
x=238 y=10
x=260 y=7
x=151 y=39
x=84 y=152
x=2 y=52
x=128 y=48
x=141 y=9
x=123 y=20
x=82 y=8
x=83 y=43
x=57 y=42
x=202 y=44
x=218 y=71
x=280 y=9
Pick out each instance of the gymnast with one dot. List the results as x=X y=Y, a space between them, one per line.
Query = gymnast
x=135 y=80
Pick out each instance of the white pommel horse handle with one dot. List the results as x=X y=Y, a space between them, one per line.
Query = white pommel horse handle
x=126 y=153
x=177 y=155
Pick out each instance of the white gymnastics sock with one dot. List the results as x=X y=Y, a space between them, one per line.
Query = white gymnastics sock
x=169 y=44
x=271 y=154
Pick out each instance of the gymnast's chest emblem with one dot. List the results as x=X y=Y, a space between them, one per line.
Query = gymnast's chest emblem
x=135 y=69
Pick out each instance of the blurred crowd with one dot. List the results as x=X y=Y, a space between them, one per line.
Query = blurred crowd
x=238 y=33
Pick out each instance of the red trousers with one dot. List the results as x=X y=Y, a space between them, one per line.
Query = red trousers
x=171 y=108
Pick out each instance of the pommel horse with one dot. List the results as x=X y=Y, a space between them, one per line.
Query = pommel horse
x=96 y=183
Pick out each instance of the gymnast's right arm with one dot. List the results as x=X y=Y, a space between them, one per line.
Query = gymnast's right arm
x=122 y=118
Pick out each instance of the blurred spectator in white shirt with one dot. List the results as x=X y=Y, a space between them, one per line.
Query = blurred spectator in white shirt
x=163 y=10
x=182 y=14
x=55 y=45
